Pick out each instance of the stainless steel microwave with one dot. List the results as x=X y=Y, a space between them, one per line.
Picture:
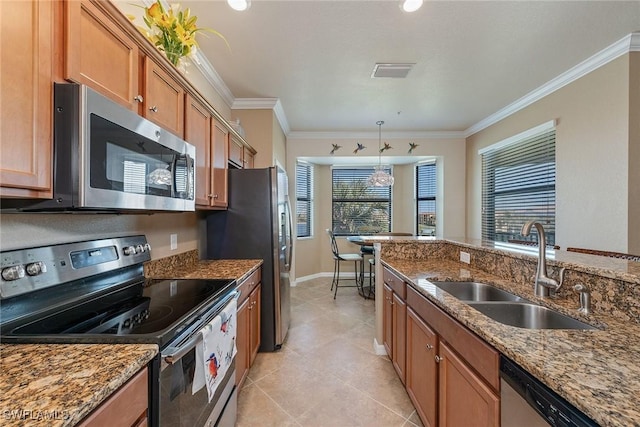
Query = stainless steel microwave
x=109 y=158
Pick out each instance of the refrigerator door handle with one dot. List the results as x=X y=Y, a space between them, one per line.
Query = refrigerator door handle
x=289 y=237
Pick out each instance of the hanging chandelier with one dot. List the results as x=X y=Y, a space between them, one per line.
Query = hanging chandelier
x=380 y=177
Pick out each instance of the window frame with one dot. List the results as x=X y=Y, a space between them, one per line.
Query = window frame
x=419 y=197
x=531 y=190
x=307 y=198
x=388 y=200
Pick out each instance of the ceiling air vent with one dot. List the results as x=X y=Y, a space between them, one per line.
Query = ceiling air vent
x=396 y=71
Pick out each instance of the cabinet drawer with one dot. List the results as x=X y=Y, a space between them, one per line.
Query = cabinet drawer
x=126 y=407
x=397 y=284
x=478 y=354
x=247 y=285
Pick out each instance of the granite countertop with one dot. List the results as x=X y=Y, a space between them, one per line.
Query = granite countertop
x=596 y=370
x=238 y=269
x=60 y=384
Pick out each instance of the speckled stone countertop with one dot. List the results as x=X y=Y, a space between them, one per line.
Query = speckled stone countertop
x=57 y=385
x=187 y=266
x=596 y=370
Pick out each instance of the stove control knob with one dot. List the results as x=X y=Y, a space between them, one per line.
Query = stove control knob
x=147 y=247
x=14 y=272
x=129 y=250
x=36 y=268
x=139 y=249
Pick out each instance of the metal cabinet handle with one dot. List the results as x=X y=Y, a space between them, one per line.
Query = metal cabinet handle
x=429 y=347
x=154 y=109
x=138 y=98
x=438 y=359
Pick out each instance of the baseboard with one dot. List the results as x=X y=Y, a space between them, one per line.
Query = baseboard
x=347 y=275
x=378 y=348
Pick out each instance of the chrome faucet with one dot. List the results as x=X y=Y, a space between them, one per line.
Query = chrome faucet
x=543 y=284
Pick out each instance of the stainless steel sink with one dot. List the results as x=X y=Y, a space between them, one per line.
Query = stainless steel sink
x=527 y=315
x=474 y=291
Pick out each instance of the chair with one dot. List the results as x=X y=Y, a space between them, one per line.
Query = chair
x=368 y=250
x=619 y=255
x=337 y=259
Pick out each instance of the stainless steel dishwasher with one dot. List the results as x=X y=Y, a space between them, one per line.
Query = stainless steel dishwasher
x=525 y=401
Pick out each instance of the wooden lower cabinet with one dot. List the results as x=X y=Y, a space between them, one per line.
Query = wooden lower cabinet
x=387 y=319
x=399 y=320
x=127 y=407
x=248 y=333
x=422 y=368
x=452 y=375
x=464 y=398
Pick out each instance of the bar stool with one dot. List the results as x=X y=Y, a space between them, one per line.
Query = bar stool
x=350 y=257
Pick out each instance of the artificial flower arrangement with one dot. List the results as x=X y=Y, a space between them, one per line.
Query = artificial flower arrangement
x=172 y=31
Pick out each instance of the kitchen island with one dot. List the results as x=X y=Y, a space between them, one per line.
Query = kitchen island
x=595 y=370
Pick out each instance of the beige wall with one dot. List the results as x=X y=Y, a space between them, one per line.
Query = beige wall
x=634 y=154
x=30 y=230
x=592 y=152
x=313 y=255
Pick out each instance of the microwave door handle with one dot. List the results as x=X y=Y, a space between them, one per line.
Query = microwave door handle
x=174 y=164
x=190 y=179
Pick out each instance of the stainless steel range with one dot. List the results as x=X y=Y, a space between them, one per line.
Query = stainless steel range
x=95 y=292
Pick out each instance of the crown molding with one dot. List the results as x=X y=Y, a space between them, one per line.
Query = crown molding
x=629 y=43
x=211 y=75
x=264 y=104
x=374 y=135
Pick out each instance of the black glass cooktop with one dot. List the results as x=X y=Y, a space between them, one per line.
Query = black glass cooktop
x=154 y=308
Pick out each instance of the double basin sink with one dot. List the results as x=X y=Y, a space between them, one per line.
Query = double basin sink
x=509 y=309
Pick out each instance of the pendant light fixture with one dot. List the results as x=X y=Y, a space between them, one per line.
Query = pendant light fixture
x=380 y=177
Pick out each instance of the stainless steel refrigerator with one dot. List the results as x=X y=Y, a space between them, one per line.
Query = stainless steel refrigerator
x=257 y=224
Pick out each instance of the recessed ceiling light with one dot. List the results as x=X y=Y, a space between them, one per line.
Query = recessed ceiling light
x=239 y=5
x=410 y=5
x=397 y=71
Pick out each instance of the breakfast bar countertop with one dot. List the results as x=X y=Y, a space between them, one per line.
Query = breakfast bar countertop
x=58 y=385
x=596 y=370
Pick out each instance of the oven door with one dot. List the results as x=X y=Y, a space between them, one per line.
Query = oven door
x=179 y=406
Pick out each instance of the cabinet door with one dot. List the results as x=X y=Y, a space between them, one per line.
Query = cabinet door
x=163 y=98
x=99 y=54
x=242 y=342
x=197 y=131
x=398 y=336
x=422 y=369
x=26 y=100
x=247 y=158
x=220 y=153
x=255 y=322
x=387 y=319
x=464 y=397
x=236 y=151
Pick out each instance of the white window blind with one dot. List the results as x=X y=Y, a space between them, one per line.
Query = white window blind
x=426 y=199
x=304 y=199
x=519 y=185
x=357 y=208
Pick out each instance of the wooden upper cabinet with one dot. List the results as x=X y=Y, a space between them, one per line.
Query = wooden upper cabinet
x=236 y=152
x=100 y=54
x=26 y=98
x=219 y=161
x=248 y=158
x=163 y=98
x=197 y=131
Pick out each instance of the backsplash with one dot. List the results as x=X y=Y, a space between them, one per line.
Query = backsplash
x=614 y=291
x=165 y=266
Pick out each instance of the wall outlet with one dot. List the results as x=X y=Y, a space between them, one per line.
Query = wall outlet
x=465 y=257
x=174 y=242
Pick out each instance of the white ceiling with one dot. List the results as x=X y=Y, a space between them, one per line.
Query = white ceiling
x=473 y=58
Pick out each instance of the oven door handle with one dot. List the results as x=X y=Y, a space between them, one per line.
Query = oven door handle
x=172 y=354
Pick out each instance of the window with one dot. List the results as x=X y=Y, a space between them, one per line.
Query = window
x=519 y=185
x=304 y=199
x=426 y=199
x=356 y=208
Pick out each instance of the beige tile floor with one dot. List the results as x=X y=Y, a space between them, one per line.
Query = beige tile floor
x=327 y=373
